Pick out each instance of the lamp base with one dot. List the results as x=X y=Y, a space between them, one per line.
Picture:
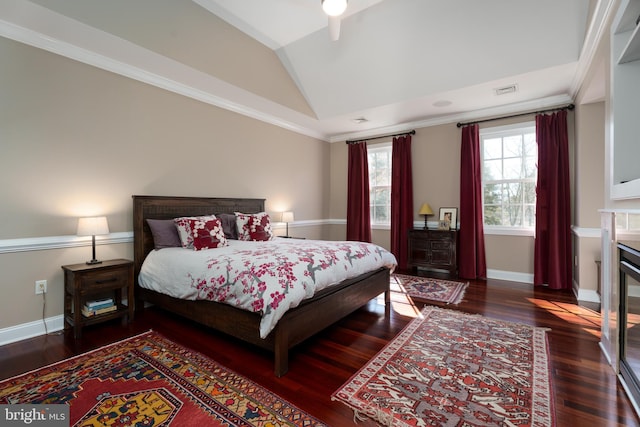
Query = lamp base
x=94 y=261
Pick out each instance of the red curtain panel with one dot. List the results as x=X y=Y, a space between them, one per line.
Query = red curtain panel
x=471 y=252
x=401 y=198
x=358 y=216
x=552 y=250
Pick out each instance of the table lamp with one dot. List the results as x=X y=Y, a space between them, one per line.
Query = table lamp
x=287 y=217
x=425 y=210
x=93 y=226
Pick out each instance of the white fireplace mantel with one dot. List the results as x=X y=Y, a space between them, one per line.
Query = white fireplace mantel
x=616 y=225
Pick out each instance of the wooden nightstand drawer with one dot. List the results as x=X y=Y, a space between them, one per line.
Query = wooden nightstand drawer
x=104 y=280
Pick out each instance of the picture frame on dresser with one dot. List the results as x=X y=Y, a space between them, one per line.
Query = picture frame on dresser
x=451 y=215
x=444 y=225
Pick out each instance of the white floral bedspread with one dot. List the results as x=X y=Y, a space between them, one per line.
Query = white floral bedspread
x=264 y=277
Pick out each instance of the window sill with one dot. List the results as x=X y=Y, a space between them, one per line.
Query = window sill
x=380 y=226
x=507 y=231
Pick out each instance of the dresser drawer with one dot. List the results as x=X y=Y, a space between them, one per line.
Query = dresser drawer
x=419 y=244
x=441 y=245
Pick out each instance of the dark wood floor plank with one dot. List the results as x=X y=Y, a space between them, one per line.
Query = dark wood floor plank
x=586 y=390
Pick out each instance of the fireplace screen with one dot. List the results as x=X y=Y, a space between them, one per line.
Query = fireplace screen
x=630 y=318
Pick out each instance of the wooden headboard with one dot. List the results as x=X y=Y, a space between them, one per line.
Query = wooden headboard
x=168 y=207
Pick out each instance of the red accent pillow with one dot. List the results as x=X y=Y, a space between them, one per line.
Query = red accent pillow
x=256 y=227
x=260 y=228
x=184 y=228
x=207 y=234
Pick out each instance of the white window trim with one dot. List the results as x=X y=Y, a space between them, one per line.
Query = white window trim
x=379 y=147
x=500 y=131
x=509 y=231
x=380 y=227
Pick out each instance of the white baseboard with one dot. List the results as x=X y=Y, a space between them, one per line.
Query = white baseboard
x=588 y=295
x=510 y=276
x=582 y=294
x=31 y=329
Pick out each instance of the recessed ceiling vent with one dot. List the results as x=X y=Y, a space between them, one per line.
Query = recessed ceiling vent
x=360 y=120
x=506 y=89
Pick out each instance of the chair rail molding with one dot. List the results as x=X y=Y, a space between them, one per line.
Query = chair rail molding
x=60 y=242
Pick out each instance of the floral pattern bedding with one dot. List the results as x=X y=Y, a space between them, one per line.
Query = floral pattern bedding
x=263 y=277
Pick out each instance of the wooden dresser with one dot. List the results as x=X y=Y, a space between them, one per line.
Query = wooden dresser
x=433 y=249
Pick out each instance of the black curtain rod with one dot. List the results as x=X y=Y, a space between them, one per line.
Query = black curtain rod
x=567 y=107
x=355 y=141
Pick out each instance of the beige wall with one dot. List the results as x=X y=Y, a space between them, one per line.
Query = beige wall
x=589 y=179
x=510 y=254
x=589 y=171
x=77 y=140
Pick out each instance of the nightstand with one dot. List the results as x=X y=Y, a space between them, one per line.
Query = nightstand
x=433 y=249
x=82 y=282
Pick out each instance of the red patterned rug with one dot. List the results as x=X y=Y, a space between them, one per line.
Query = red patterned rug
x=448 y=368
x=426 y=288
x=150 y=381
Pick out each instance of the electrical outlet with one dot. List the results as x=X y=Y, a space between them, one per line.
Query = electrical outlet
x=41 y=287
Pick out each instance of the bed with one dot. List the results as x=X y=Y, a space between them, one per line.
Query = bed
x=297 y=324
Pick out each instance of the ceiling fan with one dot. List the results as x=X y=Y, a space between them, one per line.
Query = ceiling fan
x=334 y=9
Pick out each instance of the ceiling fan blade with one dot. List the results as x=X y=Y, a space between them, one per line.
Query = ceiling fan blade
x=334 y=28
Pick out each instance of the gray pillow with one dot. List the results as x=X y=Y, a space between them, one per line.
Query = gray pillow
x=228 y=225
x=165 y=233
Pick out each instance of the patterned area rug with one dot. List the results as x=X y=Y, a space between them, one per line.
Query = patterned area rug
x=150 y=381
x=426 y=288
x=448 y=368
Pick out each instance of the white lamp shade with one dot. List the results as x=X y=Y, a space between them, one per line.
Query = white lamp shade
x=287 y=216
x=334 y=7
x=93 y=226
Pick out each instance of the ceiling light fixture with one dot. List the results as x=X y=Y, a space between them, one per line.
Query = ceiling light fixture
x=334 y=7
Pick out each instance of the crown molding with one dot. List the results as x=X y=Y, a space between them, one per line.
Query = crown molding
x=600 y=21
x=515 y=108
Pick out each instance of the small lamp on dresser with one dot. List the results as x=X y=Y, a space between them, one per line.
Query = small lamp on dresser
x=425 y=210
x=93 y=226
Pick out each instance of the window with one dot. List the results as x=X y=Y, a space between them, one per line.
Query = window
x=379 y=157
x=509 y=174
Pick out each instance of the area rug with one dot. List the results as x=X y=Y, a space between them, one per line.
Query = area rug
x=426 y=288
x=448 y=368
x=149 y=380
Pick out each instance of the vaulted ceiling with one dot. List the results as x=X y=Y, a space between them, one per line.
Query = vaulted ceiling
x=397 y=63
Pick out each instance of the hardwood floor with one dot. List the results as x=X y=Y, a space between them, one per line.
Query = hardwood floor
x=587 y=392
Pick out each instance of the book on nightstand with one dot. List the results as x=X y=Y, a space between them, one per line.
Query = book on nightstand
x=100 y=303
x=86 y=312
